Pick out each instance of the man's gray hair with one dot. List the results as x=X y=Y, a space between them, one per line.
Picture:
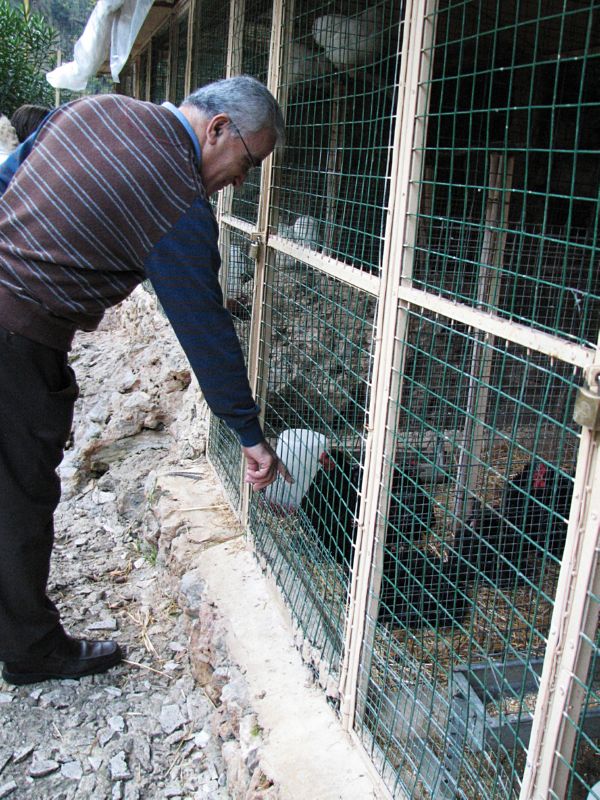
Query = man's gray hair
x=246 y=101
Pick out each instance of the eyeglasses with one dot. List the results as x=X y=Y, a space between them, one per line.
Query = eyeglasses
x=254 y=162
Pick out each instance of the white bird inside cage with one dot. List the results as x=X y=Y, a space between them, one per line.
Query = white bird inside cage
x=349 y=41
x=299 y=449
x=305 y=231
x=303 y=64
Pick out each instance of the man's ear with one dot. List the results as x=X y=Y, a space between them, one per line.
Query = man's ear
x=216 y=126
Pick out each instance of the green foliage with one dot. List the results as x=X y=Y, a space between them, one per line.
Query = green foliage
x=69 y=17
x=27 y=51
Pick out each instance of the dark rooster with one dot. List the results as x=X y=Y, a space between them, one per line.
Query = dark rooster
x=410 y=511
x=488 y=546
x=240 y=307
x=505 y=543
x=331 y=501
x=537 y=502
x=421 y=589
x=415 y=589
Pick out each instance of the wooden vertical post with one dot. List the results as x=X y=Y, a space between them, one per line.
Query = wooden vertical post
x=260 y=326
x=334 y=166
x=191 y=38
x=391 y=326
x=572 y=637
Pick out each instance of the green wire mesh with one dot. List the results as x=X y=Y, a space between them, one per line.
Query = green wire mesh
x=471 y=534
x=127 y=80
x=252 y=33
x=179 y=56
x=480 y=481
x=514 y=91
x=317 y=337
x=237 y=282
x=159 y=66
x=477 y=474
x=340 y=87
x=143 y=75
x=209 y=49
x=583 y=765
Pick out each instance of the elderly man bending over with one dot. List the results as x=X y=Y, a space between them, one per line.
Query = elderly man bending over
x=109 y=191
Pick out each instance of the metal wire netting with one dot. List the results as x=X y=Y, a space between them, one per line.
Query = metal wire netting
x=179 y=57
x=583 y=766
x=250 y=56
x=480 y=480
x=209 y=50
x=317 y=338
x=237 y=283
x=143 y=75
x=159 y=66
x=127 y=79
x=480 y=451
x=339 y=69
x=509 y=212
x=470 y=540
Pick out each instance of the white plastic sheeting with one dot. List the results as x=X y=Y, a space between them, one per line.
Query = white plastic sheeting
x=112 y=22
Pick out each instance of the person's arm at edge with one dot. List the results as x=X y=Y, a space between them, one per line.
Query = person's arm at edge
x=12 y=163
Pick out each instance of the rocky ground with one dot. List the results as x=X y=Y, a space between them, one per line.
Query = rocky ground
x=145 y=729
x=148 y=553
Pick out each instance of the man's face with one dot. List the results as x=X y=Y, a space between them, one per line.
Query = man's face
x=227 y=158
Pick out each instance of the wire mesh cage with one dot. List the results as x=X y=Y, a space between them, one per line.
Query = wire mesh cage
x=339 y=69
x=179 y=58
x=508 y=216
x=143 y=75
x=251 y=40
x=317 y=336
x=159 y=66
x=471 y=535
x=414 y=280
x=483 y=449
x=127 y=79
x=209 y=49
x=237 y=283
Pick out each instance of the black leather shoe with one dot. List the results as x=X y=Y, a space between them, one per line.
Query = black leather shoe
x=71 y=658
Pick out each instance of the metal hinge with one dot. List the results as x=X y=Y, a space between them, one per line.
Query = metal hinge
x=587 y=402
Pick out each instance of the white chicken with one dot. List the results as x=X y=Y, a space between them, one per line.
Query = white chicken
x=303 y=64
x=594 y=793
x=299 y=449
x=349 y=41
x=304 y=231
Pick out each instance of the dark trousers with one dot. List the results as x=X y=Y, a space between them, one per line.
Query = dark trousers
x=37 y=394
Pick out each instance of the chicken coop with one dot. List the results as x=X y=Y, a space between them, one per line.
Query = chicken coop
x=414 y=278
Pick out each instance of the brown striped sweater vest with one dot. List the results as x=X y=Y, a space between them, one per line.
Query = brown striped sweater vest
x=107 y=177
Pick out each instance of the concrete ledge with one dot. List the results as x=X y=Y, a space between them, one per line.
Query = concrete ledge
x=304 y=750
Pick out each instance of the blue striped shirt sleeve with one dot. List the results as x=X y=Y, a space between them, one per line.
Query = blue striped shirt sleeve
x=183 y=269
